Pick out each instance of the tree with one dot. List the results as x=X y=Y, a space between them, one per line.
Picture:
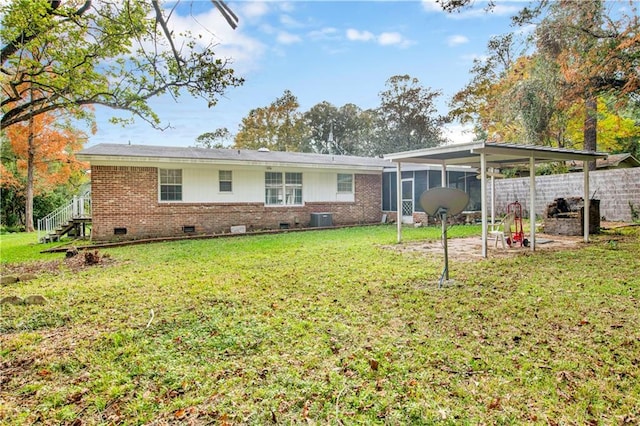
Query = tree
x=117 y=54
x=278 y=127
x=482 y=101
x=597 y=54
x=532 y=100
x=406 y=117
x=343 y=131
x=617 y=129
x=355 y=129
x=320 y=120
x=40 y=157
x=219 y=138
x=581 y=54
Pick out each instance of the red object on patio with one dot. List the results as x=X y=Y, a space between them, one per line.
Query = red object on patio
x=518 y=235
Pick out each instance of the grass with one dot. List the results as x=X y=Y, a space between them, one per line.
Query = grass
x=24 y=247
x=326 y=327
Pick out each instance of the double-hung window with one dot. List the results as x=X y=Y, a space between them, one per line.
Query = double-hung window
x=345 y=183
x=225 y=181
x=283 y=188
x=170 y=185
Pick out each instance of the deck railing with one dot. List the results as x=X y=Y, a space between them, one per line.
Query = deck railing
x=78 y=208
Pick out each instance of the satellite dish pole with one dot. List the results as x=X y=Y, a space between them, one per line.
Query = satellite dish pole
x=442 y=212
x=440 y=202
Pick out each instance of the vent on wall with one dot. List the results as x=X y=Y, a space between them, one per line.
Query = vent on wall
x=119 y=231
x=188 y=229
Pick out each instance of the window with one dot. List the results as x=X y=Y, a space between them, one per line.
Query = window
x=345 y=182
x=283 y=188
x=224 y=179
x=170 y=185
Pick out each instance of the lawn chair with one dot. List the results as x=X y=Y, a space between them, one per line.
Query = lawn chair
x=505 y=235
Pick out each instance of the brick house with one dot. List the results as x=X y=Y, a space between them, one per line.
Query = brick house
x=141 y=191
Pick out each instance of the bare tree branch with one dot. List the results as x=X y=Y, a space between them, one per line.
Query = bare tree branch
x=227 y=13
x=167 y=33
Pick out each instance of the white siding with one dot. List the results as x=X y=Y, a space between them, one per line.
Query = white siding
x=200 y=185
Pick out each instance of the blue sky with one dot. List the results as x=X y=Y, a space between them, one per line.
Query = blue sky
x=336 y=51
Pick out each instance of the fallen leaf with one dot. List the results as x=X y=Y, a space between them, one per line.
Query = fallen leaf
x=494 y=404
x=373 y=364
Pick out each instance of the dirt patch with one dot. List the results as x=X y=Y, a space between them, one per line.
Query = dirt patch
x=75 y=262
x=468 y=249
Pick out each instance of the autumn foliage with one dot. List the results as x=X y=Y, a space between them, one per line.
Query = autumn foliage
x=54 y=150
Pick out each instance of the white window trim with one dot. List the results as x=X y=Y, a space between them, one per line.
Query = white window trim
x=283 y=187
x=338 y=183
x=220 y=181
x=160 y=200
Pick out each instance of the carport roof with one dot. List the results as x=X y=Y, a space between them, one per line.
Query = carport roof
x=494 y=155
x=497 y=154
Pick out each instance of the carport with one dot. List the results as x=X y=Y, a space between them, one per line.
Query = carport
x=486 y=157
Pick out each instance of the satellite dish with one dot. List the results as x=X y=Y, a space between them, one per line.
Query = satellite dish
x=440 y=202
x=451 y=199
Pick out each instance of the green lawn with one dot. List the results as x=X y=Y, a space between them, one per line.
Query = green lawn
x=324 y=327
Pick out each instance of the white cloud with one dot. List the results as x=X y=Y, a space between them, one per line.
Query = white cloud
x=288 y=38
x=324 y=33
x=355 y=35
x=386 y=39
x=244 y=51
x=267 y=29
x=290 y=21
x=431 y=6
x=456 y=40
x=507 y=8
x=393 y=39
x=477 y=8
x=254 y=9
x=383 y=39
x=286 y=6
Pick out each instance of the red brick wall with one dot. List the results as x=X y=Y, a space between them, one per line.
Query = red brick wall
x=127 y=197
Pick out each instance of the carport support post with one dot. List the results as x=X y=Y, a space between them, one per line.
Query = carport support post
x=483 y=196
x=399 y=201
x=444 y=175
x=532 y=202
x=587 y=201
x=493 y=199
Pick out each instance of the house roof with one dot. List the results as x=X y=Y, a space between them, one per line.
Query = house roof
x=498 y=154
x=612 y=161
x=123 y=154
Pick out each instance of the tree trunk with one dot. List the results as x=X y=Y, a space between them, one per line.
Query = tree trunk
x=28 y=211
x=591 y=126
